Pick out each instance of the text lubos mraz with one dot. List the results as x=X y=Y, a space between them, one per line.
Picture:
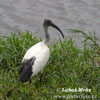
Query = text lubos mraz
x=76 y=90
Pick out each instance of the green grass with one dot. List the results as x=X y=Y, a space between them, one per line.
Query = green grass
x=68 y=67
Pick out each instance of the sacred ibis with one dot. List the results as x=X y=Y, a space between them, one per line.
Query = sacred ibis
x=37 y=56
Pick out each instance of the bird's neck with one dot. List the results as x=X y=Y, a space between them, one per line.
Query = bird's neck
x=47 y=37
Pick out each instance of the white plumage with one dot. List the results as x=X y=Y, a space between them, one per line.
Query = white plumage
x=42 y=53
x=37 y=56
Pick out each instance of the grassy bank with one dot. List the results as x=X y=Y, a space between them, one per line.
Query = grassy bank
x=69 y=67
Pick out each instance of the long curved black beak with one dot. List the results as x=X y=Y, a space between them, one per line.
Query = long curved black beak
x=53 y=25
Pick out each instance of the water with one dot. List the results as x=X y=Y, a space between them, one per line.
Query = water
x=17 y=15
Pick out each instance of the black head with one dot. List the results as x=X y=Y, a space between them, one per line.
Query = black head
x=48 y=23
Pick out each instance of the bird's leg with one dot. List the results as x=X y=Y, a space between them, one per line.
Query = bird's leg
x=41 y=76
x=30 y=81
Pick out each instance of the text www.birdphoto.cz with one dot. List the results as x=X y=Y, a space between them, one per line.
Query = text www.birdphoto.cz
x=74 y=90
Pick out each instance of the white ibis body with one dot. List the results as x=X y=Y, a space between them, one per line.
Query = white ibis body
x=37 y=56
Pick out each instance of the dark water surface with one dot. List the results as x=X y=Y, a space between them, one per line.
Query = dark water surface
x=16 y=15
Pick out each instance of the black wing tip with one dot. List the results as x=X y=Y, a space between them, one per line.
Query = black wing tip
x=26 y=70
